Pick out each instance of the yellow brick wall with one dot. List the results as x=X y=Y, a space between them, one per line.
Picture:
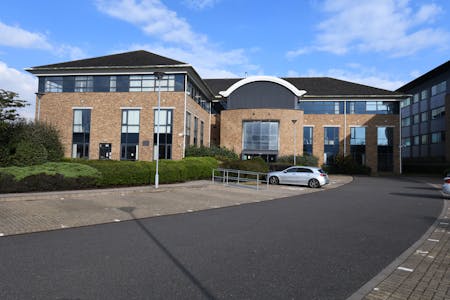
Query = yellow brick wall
x=231 y=128
x=231 y=131
x=57 y=108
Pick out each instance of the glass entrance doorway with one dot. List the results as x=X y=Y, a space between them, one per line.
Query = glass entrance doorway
x=104 y=151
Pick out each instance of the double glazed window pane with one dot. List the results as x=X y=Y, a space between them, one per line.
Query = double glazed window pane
x=130 y=121
x=260 y=135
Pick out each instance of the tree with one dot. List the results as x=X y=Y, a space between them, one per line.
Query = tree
x=9 y=104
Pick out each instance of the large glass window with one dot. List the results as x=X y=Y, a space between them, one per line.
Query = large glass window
x=358 y=144
x=260 y=135
x=84 y=83
x=195 y=131
x=149 y=83
x=385 y=148
x=424 y=116
x=308 y=140
x=406 y=102
x=188 y=129
x=331 y=144
x=416 y=119
x=438 y=113
x=424 y=95
x=130 y=134
x=81 y=133
x=202 y=129
x=416 y=98
x=321 y=107
x=406 y=121
x=165 y=133
x=373 y=107
x=53 y=84
x=439 y=88
x=438 y=137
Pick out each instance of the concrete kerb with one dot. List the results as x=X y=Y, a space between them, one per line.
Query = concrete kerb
x=384 y=274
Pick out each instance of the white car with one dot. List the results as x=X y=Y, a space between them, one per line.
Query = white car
x=446 y=186
x=310 y=176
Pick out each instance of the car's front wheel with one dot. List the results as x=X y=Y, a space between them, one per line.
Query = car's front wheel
x=274 y=180
x=314 y=183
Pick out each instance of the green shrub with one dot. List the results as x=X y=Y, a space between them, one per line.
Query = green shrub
x=301 y=160
x=221 y=153
x=14 y=135
x=68 y=170
x=29 y=153
x=47 y=177
x=256 y=164
x=129 y=173
x=346 y=165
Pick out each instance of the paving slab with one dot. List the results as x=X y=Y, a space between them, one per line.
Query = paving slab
x=33 y=212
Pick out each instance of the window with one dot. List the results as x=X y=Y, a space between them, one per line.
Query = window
x=53 y=84
x=188 y=129
x=406 y=102
x=406 y=142
x=424 y=116
x=113 y=83
x=331 y=144
x=406 y=121
x=130 y=135
x=358 y=144
x=416 y=119
x=385 y=149
x=372 y=107
x=321 y=107
x=308 y=140
x=260 y=135
x=438 y=137
x=202 y=128
x=439 y=88
x=142 y=83
x=165 y=133
x=424 y=139
x=416 y=140
x=195 y=131
x=416 y=98
x=84 y=84
x=438 y=113
x=424 y=95
x=81 y=133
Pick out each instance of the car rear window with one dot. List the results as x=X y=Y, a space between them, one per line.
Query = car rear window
x=322 y=171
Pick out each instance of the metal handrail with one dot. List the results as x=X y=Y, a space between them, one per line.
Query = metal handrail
x=236 y=179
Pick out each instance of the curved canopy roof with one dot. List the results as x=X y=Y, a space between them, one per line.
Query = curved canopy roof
x=250 y=79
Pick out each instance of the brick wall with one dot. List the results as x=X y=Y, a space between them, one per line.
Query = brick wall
x=231 y=127
x=57 y=109
x=231 y=131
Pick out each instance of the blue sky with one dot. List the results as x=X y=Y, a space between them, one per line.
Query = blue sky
x=383 y=43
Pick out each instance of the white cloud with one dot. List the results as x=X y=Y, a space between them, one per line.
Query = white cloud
x=388 y=26
x=14 y=36
x=22 y=83
x=200 y=4
x=176 y=39
x=361 y=75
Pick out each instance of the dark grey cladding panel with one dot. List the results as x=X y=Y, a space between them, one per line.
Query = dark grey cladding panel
x=261 y=94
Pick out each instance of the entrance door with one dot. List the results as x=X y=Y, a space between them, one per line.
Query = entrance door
x=104 y=151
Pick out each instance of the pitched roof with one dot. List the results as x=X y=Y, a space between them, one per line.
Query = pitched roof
x=419 y=80
x=315 y=86
x=128 y=59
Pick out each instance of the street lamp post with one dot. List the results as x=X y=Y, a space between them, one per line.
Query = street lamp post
x=295 y=141
x=159 y=76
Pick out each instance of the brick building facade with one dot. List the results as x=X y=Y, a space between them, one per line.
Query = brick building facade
x=106 y=108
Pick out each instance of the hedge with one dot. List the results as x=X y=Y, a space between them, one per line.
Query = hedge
x=256 y=164
x=47 y=177
x=79 y=174
x=129 y=173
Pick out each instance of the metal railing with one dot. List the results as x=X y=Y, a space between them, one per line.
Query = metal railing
x=242 y=178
